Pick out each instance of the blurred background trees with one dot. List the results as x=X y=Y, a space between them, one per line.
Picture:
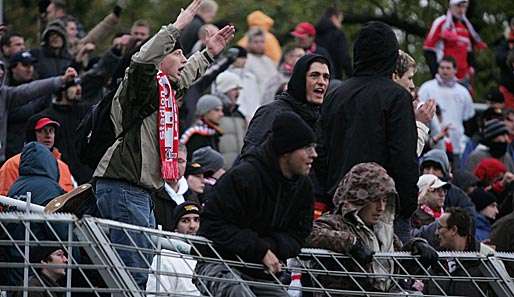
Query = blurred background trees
x=411 y=18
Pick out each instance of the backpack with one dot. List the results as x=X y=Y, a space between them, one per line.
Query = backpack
x=96 y=133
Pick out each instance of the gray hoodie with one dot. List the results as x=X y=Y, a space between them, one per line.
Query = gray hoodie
x=11 y=97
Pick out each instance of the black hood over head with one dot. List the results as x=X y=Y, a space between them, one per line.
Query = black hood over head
x=296 y=85
x=375 y=51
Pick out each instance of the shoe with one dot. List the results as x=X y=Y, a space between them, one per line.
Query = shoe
x=71 y=202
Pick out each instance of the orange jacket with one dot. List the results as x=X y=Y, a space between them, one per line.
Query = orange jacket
x=10 y=172
x=272 y=46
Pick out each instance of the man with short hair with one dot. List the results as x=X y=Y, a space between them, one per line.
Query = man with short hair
x=11 y=43
x=331 y=36
x=261 y=210
x=456 y=233
x=205 y=15
x=179 y=268
x=370 y=118
x=145 y=109
x=403 y=75
x=454 y=100
x=140 y=30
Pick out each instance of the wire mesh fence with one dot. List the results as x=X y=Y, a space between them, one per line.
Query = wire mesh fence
x=178 y=265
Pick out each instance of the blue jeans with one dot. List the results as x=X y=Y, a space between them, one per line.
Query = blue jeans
x=124 y=202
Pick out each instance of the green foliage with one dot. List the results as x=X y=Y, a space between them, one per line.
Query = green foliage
x=413 y=19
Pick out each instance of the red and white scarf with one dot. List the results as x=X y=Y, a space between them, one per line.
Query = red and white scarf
x=167 y=122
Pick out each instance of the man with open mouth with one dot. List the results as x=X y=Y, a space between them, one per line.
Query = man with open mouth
x=145 y=110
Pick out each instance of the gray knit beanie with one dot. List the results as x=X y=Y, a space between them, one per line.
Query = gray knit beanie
x=207 y=103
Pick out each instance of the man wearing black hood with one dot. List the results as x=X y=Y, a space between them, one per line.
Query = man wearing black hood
x=261 y=211
x=305 y=94
x=370 y=118
x=52 y=57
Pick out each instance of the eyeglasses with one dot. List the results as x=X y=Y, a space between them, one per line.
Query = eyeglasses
x=438 y=191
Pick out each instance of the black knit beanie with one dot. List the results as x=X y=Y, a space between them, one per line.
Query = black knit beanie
x=481 y=198
x=184 y=209
x=289 y=133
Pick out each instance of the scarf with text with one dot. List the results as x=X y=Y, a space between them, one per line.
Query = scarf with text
x=167 y=121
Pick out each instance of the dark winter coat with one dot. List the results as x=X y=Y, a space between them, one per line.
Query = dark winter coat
x=292 y=100
x=253 y=208
x=69 y=117
x=501 y=237
x=17 y=122
x=369 y=118
x=506 y=74
x=334 y=40
x=456 y=287
x=45 y=282
x=12 y=98
x=190 y=34
x=50 y=62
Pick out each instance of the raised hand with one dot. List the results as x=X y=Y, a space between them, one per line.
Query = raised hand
x=69 y=75
x=216 y=43
x=425 y=112
x=186 y=15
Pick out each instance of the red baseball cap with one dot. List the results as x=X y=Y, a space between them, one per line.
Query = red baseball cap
x=303 y=29
x=42 y=122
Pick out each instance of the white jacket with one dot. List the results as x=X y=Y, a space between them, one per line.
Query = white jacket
x=174 y=272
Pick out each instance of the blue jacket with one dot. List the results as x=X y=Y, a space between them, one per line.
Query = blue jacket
x=483 y=227
x=39 y=174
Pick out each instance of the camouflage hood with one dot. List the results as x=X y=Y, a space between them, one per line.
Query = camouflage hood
x=363 y=184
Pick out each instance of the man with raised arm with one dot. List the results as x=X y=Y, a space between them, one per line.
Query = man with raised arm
x=145 y=111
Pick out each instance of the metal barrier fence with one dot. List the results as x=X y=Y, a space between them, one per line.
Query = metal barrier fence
x=95 y=267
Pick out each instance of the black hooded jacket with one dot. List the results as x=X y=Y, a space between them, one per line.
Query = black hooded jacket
x=50 y=62
x=253 y=208
x=292 y=100
x=369 y=118
x=334 y=40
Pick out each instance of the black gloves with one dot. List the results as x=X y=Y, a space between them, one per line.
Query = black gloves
x=428 y=255
x=361 y=253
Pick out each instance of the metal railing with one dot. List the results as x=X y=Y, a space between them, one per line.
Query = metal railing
x=95 y=266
